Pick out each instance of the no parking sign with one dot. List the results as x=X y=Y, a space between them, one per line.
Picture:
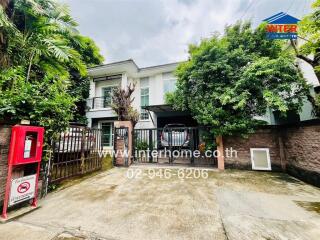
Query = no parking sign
x=22 y=189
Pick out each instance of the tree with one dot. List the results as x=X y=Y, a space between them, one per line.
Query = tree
x=122 y=104
x=229 y=80
x=309 y=29
x=309 y=51
x=43 y=63
x=80 y=83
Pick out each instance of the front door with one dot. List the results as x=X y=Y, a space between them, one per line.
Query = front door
x=107 y=134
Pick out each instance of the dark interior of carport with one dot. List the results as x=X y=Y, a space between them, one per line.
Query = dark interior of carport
x=167 y=115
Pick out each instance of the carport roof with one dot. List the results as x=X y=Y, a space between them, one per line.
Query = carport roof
x=159 y=108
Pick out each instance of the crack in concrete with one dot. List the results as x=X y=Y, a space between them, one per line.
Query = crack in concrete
x=62 y=232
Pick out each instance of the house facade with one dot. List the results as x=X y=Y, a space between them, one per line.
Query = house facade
x=151 y=85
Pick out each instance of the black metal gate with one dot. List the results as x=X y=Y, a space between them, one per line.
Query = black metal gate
x=76 y=151
x=174 y=145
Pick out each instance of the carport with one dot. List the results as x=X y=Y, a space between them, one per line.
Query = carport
x=165 y=114
x=176 y=132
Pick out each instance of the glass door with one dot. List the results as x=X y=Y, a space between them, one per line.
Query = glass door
x=107 y=134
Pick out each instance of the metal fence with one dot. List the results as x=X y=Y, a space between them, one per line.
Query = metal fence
x=178 y=145
x=75 y=152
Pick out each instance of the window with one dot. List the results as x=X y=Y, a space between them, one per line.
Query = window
x=169 y=85
x=107 y=96
x=107 y=134
x=144 y=115
x=260 y=159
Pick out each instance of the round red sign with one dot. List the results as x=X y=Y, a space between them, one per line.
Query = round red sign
x=23 y=187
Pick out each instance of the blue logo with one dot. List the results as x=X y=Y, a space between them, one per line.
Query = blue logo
x=282 y=26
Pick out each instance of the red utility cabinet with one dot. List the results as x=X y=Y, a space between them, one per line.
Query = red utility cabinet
x=26 y=145
x=25 y=149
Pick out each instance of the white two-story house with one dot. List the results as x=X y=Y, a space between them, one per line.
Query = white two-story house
x=151 y=85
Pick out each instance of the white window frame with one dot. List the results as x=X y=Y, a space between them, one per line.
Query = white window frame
x=112 y=133
x=102 y=93
x=144 y=119
x=268 y=158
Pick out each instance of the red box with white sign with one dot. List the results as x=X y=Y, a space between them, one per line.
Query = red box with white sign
x=26 y=144
x=25 y=149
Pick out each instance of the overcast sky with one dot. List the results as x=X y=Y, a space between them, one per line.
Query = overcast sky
x=158 y=31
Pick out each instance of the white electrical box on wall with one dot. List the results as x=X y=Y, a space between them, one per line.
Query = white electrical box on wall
x=260 y=158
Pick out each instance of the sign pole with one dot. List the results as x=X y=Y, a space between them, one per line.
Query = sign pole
x=7 y=193
x=35 y=199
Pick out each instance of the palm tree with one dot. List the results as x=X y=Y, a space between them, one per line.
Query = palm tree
x=42 y=35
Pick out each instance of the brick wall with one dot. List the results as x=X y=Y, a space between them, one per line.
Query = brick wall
x=3 y=171
x=5 y=133
x=263 y=138
x=302 y=151
x=295 y=149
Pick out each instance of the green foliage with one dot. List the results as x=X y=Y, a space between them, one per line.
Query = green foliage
x=208 y=139
x=309 y=51
x=309 y=28
x=169 y=97
x=276 y=82
x=229 y=80
x=142 y=145
x=45 y=103
x=43 y=64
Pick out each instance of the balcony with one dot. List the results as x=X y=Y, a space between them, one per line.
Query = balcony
x=99 y=107
x=98 y=103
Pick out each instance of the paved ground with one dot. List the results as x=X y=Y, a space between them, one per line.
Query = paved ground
x=230 y=205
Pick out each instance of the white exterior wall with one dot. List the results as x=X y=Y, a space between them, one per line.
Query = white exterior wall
x=92 y=91
x=155 y=90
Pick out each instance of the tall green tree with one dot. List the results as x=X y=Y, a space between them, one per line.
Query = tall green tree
x=309 y=30
x=309 y=50
x=43 y=62
x=231 y=79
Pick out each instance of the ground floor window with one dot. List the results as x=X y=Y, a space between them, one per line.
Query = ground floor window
x=107 y=134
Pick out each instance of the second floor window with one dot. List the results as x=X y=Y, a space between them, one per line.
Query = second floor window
x=144 y=102
x=169 y=85
x=107 y=96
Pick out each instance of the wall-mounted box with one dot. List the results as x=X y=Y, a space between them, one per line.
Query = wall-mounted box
x=26 y=145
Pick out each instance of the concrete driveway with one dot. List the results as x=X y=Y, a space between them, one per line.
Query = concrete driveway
x=229 y=205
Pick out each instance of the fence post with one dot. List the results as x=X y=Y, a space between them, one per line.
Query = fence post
x=150 y=146
x=192 y=144
x=83 y=139
x=220 y=149
x=170 y=145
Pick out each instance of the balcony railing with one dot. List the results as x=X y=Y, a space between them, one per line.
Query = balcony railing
x=98 y=102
